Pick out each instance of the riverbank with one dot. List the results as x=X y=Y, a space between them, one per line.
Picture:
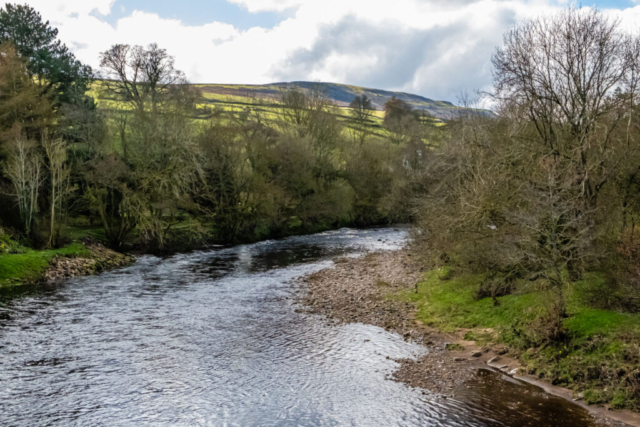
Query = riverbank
x=23 y=266
x=388 y=290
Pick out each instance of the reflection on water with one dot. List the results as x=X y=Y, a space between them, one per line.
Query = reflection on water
x=498 y=399
x=213 y=338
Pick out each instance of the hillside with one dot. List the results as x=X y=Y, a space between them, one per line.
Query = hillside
x=231 y=100
x=341 y=94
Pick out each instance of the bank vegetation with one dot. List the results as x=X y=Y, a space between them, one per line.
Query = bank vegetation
x=529 y=219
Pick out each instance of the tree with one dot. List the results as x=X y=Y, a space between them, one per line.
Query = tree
x=401 y=120
x=110 y=193
x=120 y=121
x=59 y=181
x=396 y=109
x=24 y=170
x=361 y=108
x=144 y=77
x=23 y=114
x=21 y=101
x=163 y=156
x=157 y=137
x=84 y=130
x=56 y=70
x=562 y=73
x=229 y=193
x=294 y=105
x=369 y=171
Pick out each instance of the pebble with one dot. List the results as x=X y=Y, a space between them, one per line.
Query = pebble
x=62 y=267
x=352 y=288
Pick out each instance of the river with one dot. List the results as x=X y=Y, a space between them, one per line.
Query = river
x=214 y=338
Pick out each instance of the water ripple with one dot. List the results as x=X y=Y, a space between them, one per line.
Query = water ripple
x=212 y=338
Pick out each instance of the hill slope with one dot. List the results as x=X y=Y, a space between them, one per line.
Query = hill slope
x=341 y=94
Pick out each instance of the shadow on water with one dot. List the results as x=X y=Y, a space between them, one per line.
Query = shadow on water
x=284 y=257
x=213 y=338
x=497 y=399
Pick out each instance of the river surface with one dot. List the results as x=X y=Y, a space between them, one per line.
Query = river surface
x=214 y=338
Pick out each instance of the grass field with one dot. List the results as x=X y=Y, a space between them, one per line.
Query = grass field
x=340 y=94
x=264 y=100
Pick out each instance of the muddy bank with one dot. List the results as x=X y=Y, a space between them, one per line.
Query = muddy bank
x=361 y=290
x=100 y=259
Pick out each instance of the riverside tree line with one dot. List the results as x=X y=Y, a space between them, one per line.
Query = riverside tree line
x=155 y=168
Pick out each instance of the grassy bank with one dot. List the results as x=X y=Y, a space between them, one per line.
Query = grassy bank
x=23 y=265
x=29 y=265
x=599 y=358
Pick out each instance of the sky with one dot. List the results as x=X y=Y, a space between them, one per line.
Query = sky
x=435 y=48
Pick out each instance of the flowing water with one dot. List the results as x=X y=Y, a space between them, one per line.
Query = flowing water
x=214 y=338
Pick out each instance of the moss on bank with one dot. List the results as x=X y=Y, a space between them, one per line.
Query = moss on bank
x=599 y=357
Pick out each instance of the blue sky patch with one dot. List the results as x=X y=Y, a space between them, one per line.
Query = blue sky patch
x=198 y=12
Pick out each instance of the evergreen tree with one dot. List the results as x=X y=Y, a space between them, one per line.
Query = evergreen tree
x=50 y=62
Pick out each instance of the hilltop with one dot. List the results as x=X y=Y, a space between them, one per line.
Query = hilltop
x=340 y=94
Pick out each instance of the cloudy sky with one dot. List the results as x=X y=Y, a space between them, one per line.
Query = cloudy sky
x=435 y=48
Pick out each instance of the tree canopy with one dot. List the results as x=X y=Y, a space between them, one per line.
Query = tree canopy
x=49 y=61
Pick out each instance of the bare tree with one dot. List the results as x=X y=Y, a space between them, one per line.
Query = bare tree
x=294 y=105
x=563 y=74
x=141 y=76
x=59 y=179
x=23 y=168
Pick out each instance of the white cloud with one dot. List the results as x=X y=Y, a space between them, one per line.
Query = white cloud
x=436 y=48
x=60 y=8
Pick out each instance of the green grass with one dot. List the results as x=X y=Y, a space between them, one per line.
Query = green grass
x=77 y=232
x=587 y=322
x=19 y=264
x=450 y=304
x=600 y=354
x=30 y=265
